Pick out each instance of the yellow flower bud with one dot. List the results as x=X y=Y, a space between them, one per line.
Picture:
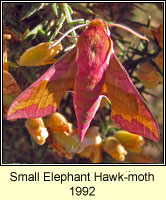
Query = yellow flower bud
x=37 y=129
x=130 y=141
x=62 y=138
x=57 y=122
x=94 y=153
x=40 y=54
x=64 y=143
x=115 y=149
x=148 y=75
x=92 y=137
x=5 y=64
x=86 y=153
x=91 y=147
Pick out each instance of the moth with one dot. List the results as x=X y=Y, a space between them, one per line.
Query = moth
x=91 y=70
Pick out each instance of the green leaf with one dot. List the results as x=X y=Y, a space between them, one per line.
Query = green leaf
x=12 y=64
x=55 y=9
x=68 y=12
x=26 y=74
x=59 y=26
x=34 y=31
x=81 y=8
x=36 y=7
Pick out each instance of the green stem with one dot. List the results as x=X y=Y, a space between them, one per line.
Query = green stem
x=55 y=9
x=26 y=74
x=67 y=13
x=59 y=26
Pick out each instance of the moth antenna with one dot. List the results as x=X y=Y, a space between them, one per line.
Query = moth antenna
x=129 y=30
x=69 y=36
x=65 y=34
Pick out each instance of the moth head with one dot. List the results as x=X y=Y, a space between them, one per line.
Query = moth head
x=99 y=23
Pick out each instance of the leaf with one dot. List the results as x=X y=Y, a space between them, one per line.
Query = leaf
x=33 y=32
x=59 y=26
x=68 y=12
x=55 y=8
x=85 y=10
x=36 y=7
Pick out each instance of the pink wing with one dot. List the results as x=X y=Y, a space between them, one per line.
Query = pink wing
x=43 y=96
x=129 y=110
